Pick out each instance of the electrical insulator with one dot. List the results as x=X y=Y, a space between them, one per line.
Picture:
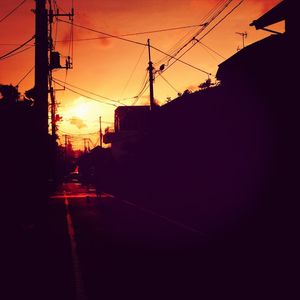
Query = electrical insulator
x=68 y=63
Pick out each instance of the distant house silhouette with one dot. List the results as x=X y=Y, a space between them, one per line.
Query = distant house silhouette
x=130 y=125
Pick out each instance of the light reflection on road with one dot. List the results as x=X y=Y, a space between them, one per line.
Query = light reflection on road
x=77 y=190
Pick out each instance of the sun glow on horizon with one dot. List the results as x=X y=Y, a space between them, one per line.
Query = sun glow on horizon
x=81 y=118
x=117 y=69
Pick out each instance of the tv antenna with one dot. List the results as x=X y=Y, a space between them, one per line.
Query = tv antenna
x=244 y=36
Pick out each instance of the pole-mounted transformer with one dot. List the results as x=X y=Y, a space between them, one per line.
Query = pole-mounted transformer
x=55 y=60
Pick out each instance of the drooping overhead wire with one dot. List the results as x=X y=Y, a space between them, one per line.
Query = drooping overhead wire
x=138 y=33
x=27 y=73
x=143 y=87
x=138 y=43
x=14 y=44
x=212 y=15
x=212 y=50
x=169 y=83
x=16 y=53
x=217 y=60
x=114 y=102
x=79 y=134
x=143 y=84
x=56 y=25
x=178 y=59
x=223 y=18
x=84 y=90
x=104 y=33
x=196 y=41
x=63 y=10
x=85 y=96
x=187 y=37
x=12 y=11
x=16 y=49
x=132 y=72
x=141 y=93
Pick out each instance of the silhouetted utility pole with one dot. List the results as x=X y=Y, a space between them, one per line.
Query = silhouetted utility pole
x=55 y=63
x=53 y=110
x=41 y=68
x=151 y=78
x=86 y=144
x=66 y=144
x=40 y=165
x=100 y=134
x=51 y=90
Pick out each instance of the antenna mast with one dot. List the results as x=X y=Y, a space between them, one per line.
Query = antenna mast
x=244 y=35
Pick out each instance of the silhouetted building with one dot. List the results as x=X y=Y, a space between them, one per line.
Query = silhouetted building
x=259 y=64
x=131 y=124
x=277 y=14
x=128 y=118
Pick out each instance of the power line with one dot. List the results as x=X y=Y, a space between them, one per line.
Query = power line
x=141 y=93
x=105 y=122
x=16 y=49
x=12 y=11
x=210 y=53
x=57 y=6
x=78 y=134
x=16 y=53
x=136 y=33
x=212 y=50
x=143 y=88
x=220 y=21
x=198 y=40
x=187 y=37
x=135 y=42
x=215 y=12
x=56 y=25
x=86 y=96
x=92 y=93
x=14 y=44
x=104 y=33
x=31 y=69
x=178 y=59
x=133 y=71
x=169 y=83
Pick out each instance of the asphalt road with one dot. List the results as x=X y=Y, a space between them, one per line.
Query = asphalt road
x=112 y=248
x=119 y=248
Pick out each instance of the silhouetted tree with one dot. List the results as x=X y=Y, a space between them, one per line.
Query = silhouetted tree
x=206 y=84
x=186 y=92
x=20 y=166
x=9 y=94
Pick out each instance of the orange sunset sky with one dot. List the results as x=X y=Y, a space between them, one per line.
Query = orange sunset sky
x=116 y=69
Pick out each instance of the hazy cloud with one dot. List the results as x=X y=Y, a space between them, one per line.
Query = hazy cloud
x=202 y=4
x=192 y=88
x=265 y=5
x=79 y=123
x=105 y=41
x=145 y=100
